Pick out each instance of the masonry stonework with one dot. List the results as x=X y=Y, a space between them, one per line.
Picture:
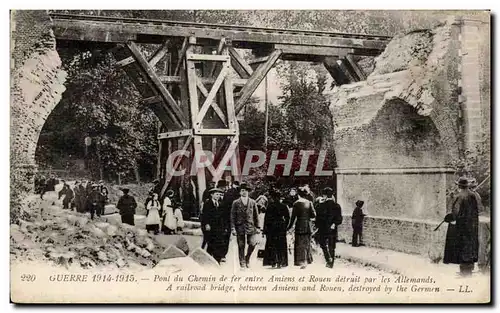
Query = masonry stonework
x=37 y=83
x=399 y=132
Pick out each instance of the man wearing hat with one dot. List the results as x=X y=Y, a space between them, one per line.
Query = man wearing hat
x=328 y=217
x=357 y=224
x=214 y=225
x=472 y=187
x=462 y=238
x=127 y=205
x=94 y=200
x=230 y=195
x=244 y=224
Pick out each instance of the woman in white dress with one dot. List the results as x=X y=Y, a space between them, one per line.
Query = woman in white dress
x=169 y=221
x=153 y=220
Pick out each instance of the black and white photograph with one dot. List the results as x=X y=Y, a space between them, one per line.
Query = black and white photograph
x=250 y=156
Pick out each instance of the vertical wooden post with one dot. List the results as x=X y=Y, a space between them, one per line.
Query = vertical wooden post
x=194 y=109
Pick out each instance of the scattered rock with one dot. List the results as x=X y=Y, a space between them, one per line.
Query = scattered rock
x=102 y=225
x=172 y=252
x=111 y=230
x=114 y=219
x=204 y=259
x=110 y=209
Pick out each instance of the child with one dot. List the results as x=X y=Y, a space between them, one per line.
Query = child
x=178 y=218
x=357 y=224
x=153 y=220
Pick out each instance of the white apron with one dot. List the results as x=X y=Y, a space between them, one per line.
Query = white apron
x=153 y=217
x=169 y=220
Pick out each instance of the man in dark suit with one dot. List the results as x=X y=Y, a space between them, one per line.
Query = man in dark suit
x=214 y=225
x=328 y=217
x=244 y=224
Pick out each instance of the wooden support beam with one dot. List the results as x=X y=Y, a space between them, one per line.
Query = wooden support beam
x=177 y=162
x=159 y=54
x=200 y=173
x=256 y=79
x=207 y=57
x=214 y=66
x=215 y=106
x=211 y=95
x=258 y=60
x=355 y=67
x=216 y=132
x=239 y=64
x=227 y=155
x=346 y=71
x=204 y=80
x=313 y=50
x=124 y=62
x=151 y=100
x=174 y=134
x=164 y=93
x=180 y=59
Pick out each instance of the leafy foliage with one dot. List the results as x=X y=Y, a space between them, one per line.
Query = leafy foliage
x=100 y=102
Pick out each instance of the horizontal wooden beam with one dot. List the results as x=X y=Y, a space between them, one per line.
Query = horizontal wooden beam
x=205 y=80
x=215 y=132
x=174 y=134
x=313 y=50
x=109 y=30
x=207 y=57
x=258 y=60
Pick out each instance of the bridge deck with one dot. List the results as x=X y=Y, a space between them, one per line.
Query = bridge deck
x=297 y=42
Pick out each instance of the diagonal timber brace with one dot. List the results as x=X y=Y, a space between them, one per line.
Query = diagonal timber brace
x=150 y=74
x=255 y=80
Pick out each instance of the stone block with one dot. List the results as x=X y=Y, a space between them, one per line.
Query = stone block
x=110 y=209
x=172 y=252
x=204 y=259
x=176 y=240
x=140 y=221
x=113 y=219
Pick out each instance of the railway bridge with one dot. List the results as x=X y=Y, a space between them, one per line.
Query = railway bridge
x=206 y=82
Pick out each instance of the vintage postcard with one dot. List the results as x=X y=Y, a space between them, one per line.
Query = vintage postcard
x=225 y=156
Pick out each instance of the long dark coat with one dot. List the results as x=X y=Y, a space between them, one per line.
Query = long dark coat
x=126 y=205
x=328 y=212
x=219 y=228
x=302 y=213
x=275 y=223
x=462 y=239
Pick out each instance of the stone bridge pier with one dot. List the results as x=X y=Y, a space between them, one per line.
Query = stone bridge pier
x=400 y=133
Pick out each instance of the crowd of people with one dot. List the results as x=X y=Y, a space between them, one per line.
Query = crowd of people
x=229 y=210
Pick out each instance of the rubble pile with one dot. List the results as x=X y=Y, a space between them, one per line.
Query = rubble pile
x=69 y=238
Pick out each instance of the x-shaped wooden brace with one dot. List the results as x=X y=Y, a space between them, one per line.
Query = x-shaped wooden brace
x=245 y=70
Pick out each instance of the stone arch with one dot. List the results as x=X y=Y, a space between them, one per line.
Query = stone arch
x=37 y=84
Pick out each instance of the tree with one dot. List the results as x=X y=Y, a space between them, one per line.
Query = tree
x=101 y=102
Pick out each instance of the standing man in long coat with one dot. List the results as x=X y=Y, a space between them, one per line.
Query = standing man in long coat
x=214 y=225
x=231 y=195
x=244 y=224
x=127 y=205
x=328 y=218
x=462 y=237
